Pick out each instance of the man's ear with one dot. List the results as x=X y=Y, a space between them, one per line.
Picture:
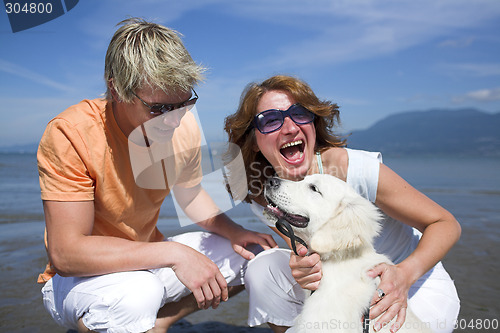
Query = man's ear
x=112 y=90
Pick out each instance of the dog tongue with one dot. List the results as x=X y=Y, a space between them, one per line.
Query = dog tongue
x=292 y=153
x=275 y=211
x=297 y=220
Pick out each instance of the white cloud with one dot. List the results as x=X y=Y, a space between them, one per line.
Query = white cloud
x=483 y=95
x=17 y=70
x=457 y=43
x=344 y=31
x=102 y=23
x=340 y=31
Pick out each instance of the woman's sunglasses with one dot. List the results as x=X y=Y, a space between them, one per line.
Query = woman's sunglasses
x=159 y=109
x=271 y=120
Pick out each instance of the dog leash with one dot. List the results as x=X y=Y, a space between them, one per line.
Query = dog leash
x=286 y=229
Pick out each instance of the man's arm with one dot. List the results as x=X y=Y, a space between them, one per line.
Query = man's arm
x=200 y=208
x=74 y=251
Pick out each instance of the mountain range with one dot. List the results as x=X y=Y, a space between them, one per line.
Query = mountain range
x=432 y=132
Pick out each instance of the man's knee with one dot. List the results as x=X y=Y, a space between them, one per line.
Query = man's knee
x=135 y=308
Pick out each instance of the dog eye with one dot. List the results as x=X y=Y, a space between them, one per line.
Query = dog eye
x=314 y=188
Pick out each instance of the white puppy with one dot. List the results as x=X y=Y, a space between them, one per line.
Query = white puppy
x=340 y=225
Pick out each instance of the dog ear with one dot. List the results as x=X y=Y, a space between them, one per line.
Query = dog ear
x=354 y=225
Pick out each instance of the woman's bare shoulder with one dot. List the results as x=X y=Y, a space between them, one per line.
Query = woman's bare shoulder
x=335 y=162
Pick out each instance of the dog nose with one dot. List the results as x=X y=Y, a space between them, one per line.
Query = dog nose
x=273 y=182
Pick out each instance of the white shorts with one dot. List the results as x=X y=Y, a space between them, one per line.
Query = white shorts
x=275 y=296
x=129 y=301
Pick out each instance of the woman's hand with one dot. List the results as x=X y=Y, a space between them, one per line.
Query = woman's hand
x=393 y=302
x=306 y=270
x=241 y=239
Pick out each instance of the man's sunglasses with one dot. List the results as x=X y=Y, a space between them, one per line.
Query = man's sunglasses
x=159 y=109
x=271 y=120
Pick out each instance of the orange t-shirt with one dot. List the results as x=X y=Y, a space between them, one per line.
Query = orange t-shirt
x=83 y=155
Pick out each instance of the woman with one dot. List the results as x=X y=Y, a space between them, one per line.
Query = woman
x=283 y=129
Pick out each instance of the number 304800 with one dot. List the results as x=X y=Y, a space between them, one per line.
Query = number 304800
x=476 y=324
x=28 y=8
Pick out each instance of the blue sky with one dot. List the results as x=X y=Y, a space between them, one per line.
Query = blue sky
x=373 y=58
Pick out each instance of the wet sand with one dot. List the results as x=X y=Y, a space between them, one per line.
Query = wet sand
x=472 y=263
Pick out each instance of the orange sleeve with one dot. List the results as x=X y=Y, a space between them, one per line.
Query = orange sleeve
x=63 y=174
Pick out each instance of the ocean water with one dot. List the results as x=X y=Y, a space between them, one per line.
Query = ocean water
x=467 y=187
x=19 y=189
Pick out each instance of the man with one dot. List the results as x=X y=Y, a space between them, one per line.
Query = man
x=110 y=269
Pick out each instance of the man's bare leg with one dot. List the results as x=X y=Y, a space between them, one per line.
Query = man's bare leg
x=278 y=329
x=170 y=313
x=81 y=327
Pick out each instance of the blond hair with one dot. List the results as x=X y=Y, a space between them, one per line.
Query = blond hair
x=144 y=53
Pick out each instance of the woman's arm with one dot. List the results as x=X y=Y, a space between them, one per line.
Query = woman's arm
x=440 y=231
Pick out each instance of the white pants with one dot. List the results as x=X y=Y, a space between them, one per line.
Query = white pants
x=129 y=301
x=275 y=296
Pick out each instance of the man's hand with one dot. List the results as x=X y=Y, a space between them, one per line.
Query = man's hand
x=202 y=276
x=306 y=270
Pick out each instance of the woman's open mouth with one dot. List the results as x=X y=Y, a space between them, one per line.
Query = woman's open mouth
x=293 y=152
